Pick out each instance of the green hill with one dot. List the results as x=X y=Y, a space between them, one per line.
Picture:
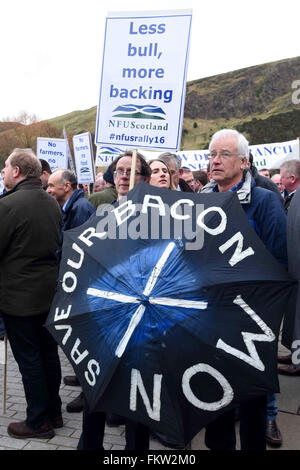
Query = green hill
x=255 y=100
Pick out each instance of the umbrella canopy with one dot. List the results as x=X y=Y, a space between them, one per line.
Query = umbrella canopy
x=168 y=307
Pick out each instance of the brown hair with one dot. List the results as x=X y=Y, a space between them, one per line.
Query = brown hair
x=171 y=186
x=27 y=162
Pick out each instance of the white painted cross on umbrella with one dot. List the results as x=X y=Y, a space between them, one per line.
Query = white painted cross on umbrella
x=138 y=314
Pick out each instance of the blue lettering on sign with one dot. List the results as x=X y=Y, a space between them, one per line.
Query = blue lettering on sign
x=141 y=93
x=145 y=29
x=144 y=51
x=267 y=150
x=51 y=144
x=143 y=73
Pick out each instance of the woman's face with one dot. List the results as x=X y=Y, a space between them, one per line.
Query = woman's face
x=160 y=176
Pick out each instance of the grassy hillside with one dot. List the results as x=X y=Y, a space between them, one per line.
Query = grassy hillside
x=255 y=100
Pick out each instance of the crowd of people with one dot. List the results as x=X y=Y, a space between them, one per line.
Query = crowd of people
x=36 y=209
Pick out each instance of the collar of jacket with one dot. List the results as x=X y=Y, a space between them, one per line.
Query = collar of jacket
x=243 y=193
x=78 y=193
x=27 y=183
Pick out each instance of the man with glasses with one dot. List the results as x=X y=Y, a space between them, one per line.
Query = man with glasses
x=229 y=170
x=122 y=172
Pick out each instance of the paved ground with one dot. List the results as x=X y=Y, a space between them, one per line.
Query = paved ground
x=67 y=437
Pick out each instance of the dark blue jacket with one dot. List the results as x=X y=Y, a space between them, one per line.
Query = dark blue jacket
x=265 y=213
x=76 y=212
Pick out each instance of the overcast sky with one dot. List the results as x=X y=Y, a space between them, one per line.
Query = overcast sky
x=51 y=51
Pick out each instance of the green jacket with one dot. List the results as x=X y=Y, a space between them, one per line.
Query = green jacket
x=29 y=237
x=106 y=196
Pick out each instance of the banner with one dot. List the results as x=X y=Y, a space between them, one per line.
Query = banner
x=272 y=156
x=269 y=156
x=54 y=151
x=142 y=89
x=84 y=160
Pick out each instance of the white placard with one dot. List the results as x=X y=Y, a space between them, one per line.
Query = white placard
x=143 y=80
x=273 y=155
x=84 y=160
x=54 y=151
x=106 y=155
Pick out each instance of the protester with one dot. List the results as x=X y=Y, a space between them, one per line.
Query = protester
x=93 y=424
x=160 y=174
x=29 y=234
x=201 y=179
x=108 y=193
x=260 y=179
x=277 y=180
x=46 y=172
x=292 y=367
x=76 y=210
x=174 y=164
x=229 y=169
x=265 y=172
x=187 y=175
x=99 y=183
x=290 y=178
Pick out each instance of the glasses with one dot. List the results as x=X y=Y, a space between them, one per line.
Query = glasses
x=125 y=172
x=224 y=155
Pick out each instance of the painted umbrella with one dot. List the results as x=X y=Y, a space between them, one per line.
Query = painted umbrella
x=168 y=307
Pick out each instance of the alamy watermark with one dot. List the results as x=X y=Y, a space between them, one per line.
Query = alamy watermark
x=296 y=93
x=154 y=219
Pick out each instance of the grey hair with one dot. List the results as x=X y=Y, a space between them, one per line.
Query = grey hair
x=291 y=167
x=168 y=157
x=242 y=142
x=67 y=175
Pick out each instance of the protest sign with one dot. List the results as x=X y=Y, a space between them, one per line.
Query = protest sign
x=272 y=155
x=84 y=160
x=106 y=155
x=142 y=89
x=54 y=151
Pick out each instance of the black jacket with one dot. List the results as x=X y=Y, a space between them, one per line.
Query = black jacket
x=29 y=236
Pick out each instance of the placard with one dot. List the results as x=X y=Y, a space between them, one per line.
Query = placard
x=54 y=151
x=84 y=160
x=143 y=80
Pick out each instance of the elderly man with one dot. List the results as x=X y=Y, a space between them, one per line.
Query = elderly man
x=229 y=170
x=290 y=178
x=277 y=180
x=29 y=233
x=76 y=209
x=137 y=435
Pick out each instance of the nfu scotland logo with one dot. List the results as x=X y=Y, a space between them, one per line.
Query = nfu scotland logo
x=134 y=111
